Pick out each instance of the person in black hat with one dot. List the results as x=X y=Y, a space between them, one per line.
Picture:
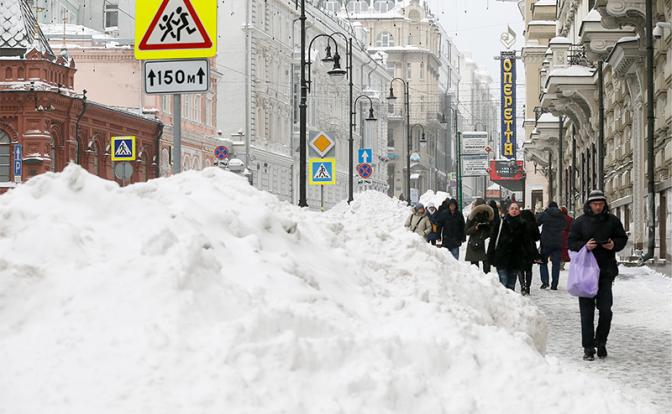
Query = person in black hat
x=603 y=234
x=552 y=224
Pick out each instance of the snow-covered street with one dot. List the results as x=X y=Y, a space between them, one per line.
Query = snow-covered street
x=640 y=342
x=200 y=294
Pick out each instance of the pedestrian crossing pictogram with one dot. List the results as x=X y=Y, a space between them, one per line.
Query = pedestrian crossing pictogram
x=322 y=171
x=123 y=148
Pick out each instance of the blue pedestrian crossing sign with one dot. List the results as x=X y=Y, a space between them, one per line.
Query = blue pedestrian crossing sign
x=123 y=148
x=322 y=171
x=365 y=156
x=18 y=162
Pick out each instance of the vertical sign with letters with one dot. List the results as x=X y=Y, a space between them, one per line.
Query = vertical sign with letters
x=508 y=98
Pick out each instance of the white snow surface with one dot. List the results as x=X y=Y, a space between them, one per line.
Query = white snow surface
x=200 y=294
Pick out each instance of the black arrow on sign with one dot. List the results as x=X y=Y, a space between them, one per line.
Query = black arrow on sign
x=200 y=75
x=151 y=77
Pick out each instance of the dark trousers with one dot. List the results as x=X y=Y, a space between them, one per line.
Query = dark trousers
x=486 y=266
x=525 y=278
x=507 y=277
x=555 y=267
x=603 y=302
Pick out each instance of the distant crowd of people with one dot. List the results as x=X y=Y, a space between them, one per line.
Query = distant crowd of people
x=512 y=232
x=509 y=238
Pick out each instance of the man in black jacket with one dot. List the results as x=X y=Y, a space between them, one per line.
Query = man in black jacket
x=451 y=220
x=552 y=224
x=603 y=234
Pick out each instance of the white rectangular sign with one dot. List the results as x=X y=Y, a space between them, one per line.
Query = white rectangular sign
x=177 y=76
x=474 y=142
x=474 y=165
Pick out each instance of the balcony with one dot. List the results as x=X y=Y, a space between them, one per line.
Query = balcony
x=598 y=40
x=620 y=13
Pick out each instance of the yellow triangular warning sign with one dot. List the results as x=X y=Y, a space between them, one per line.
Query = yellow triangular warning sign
x=175 y=26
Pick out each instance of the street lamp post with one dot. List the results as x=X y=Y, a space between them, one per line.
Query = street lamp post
x=353 y=115
x=305 y=88
x=408 y=132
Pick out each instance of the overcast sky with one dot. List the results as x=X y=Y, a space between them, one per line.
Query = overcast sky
x=476 y=26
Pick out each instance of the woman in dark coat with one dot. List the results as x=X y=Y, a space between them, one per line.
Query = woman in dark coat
x=509 y=246
x=452 y=227
x=479 y=224
x=533 y=256
x=564 y=257
x=433 y=216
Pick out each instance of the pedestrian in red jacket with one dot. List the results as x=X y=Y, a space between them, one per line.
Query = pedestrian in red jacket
x=565 y=235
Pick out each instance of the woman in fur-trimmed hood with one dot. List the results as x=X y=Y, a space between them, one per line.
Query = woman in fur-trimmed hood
x=479 y=225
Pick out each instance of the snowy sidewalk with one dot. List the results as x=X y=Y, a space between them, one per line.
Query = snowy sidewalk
x=640 y=342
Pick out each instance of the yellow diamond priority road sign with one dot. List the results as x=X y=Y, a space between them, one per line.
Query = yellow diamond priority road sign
x=321 y=143
x=175 y=29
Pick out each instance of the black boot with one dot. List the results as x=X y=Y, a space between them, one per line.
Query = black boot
x=589 y=354
x=544 y=286
x=601 y=351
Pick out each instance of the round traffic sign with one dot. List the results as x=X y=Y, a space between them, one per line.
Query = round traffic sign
x=365 y=170
x=221 y=152
x=123 y=170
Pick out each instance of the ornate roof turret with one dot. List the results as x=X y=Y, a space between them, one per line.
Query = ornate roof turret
x=19 y=30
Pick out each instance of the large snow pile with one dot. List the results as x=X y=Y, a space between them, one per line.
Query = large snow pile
x=200 y=294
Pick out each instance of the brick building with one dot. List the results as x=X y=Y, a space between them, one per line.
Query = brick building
x=40 y=109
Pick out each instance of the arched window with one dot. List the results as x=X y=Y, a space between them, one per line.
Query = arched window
x=355 y=6
x=333 y=6
x=196 y=164
x=383 y=6
x=164 y=162
x=4 y=157
x=94 y=163
x=52 y=154
x=384 y=39
x=8 y=74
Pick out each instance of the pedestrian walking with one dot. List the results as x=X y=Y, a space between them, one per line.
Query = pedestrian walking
x=508 y=246
x=564 y=256
x=433 y=216
x=552 y=224
x=532 y=252
x=602 y=233
x=498 y=213
x=418 y=222
x=479 y=225
x=452 y=227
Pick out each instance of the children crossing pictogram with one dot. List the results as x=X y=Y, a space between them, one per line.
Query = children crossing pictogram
x=175 y=26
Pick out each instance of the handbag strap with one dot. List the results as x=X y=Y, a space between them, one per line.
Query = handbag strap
x=501 y=223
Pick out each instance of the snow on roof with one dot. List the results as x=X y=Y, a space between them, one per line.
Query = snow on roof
x=56 y=30
x=559 y=40
x=541 y=3
x=20 y=30
x=593 y=16
x=547 y=118
x=542 y=23
x=573 y=71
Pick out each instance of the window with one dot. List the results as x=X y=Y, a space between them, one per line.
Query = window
x=333 y=6
x=357 y=6
x=383 y=6
x=408 y=71
x=422 y=71
x=384 y=39
x=4 y=157
x=111 y=13
x=165 y=104
x=391 y=68
x=197 y=109
x=409 y=40
x=208 y=112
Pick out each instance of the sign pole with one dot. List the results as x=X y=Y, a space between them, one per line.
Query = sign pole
x=177 y=133
x=459 y=170
x=322 y=198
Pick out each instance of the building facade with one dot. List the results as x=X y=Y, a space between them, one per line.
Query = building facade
x=40 y=110
x=259 y=97
x=414 y=42
x=593 y=80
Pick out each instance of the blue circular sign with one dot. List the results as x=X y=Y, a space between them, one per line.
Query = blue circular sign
x=365 y=170
x=221 y=152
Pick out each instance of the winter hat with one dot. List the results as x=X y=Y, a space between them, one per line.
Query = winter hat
x=479 y=202
x=430 y=205
x=596 y=195
x=552 y=204
x=418 y=206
